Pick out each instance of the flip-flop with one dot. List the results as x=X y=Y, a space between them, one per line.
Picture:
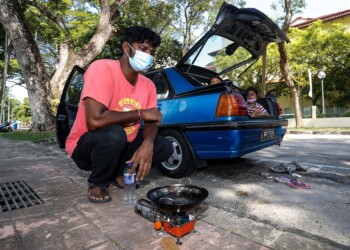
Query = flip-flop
x=282 y=179
x=284 y=168
x=266 y=175
x=297 y=183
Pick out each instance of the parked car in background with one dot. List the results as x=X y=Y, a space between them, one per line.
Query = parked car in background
x=205 y=122
x=6 y=127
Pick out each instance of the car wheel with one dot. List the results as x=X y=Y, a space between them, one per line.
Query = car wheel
x=181 y=162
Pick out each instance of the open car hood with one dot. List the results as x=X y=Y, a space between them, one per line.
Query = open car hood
x=246 y=28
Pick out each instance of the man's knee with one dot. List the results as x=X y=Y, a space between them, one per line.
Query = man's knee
x=166 y=148
x=114 y=134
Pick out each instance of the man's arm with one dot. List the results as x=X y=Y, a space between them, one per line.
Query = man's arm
x=99 y=116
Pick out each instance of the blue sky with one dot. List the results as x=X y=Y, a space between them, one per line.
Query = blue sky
x=314 y=8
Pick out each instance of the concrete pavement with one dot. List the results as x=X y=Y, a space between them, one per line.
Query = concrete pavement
x=67 y=220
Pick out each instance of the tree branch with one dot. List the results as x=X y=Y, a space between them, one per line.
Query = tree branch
x=46 y=12
x=109 y=13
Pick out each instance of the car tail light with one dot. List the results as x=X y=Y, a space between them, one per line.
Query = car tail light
x=279 y=109
x=231 y=105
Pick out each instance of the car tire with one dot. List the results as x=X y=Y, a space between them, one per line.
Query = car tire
x=181 y=163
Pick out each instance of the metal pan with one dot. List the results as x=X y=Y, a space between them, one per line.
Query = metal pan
x=177 y=198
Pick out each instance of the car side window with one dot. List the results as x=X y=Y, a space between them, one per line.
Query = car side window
x=73 y=97
x=161 y=86
x=74 y=89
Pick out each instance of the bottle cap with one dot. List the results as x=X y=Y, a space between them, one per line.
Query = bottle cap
x=129 y=164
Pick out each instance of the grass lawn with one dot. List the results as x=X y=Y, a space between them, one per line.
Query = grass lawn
x=24 y=135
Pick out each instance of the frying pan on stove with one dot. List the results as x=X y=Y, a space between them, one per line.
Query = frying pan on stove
x=177 y=198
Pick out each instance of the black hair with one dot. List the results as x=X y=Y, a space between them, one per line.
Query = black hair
x=255 y=90
x=141 y=34
x=217 y=77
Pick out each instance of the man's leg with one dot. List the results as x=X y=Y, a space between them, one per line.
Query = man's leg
x=100 y=151
x=162 y=150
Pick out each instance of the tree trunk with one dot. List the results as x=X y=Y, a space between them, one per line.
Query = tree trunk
x=284 y=63
x=284 y=66
x=31 y=64
x=68 y=58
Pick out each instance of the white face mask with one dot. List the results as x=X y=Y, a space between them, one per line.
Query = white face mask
x=251 y=100
x=141 y=60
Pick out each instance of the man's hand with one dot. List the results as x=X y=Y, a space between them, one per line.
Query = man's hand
x=142 y=158
x=151 y=115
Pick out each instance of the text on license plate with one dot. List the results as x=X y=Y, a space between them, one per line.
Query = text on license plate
x=267 y=134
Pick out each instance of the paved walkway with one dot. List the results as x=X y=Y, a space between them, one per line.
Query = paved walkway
x=67 y=220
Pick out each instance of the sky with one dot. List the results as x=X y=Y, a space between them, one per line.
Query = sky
x=314 y=8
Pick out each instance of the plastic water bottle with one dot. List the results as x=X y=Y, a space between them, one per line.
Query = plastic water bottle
x=129 y=185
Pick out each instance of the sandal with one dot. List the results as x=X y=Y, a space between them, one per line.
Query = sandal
x=104 y=195
x=297 y=183
x=282 y=179
x=284 y=168
x=266 y=175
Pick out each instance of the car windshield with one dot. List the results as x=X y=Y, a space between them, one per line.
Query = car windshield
x=221 y=56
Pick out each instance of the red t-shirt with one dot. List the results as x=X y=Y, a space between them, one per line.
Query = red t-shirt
x=104 y=81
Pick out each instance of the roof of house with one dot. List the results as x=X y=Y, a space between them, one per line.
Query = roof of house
x=301 y=22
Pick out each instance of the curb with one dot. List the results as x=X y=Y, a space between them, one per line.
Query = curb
x=318 y=132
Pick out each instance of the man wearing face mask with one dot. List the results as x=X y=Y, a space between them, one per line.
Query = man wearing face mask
x=115 y=99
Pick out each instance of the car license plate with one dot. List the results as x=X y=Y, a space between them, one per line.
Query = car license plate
x=267 y=134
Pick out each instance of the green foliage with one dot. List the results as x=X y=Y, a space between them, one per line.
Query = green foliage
x=10 y=103
x=156 y=15
x=23 y=112
x=169 y=52
x=327 y=50
x=13 y=67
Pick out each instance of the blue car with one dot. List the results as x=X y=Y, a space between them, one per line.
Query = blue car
x=205 y=122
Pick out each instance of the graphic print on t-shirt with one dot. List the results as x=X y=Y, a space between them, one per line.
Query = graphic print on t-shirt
x=128 y=104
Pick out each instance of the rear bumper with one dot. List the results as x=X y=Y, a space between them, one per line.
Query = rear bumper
x=236 y=125
x=232 y=139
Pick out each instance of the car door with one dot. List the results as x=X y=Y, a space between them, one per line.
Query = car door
x=165 y=92
x=68 y=106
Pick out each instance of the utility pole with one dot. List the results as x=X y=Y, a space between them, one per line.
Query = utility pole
x=2 y=92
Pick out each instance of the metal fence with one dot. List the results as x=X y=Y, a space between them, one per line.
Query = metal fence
x=333 y=111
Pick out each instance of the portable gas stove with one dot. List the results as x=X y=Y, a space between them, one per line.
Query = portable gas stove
x=176 y=224
x=172 y=205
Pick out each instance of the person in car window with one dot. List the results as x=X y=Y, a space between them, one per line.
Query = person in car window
x=254 y=109
x=215 y=80
x=115 y=99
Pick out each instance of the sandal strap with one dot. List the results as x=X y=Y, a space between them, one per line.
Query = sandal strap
x=103 y=188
